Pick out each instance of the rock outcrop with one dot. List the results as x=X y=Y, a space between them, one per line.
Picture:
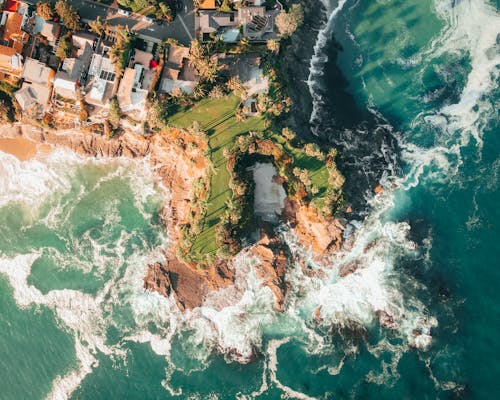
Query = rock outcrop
x=177 y=167
x=321 y=234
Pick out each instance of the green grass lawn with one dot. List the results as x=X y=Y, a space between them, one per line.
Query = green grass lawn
x=217 y=118
x=317 y=169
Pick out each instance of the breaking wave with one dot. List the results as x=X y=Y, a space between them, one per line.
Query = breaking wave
x=323 y=304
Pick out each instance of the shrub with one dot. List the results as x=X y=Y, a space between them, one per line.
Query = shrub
x=45 y=10
x=114 y=113
x=288 y=22
x=313 y=150
x=83 y=115
x=69 y=16
x=273 y=46
x=216 y=93
x=65 y=48
x=205 y=66
x=288 y=134
x=98 y=26
x=120 y=50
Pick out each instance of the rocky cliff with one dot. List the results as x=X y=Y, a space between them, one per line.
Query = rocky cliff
x=177 y=167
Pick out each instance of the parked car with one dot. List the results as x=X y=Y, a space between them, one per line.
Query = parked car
x=123 y=12
x=148 y=19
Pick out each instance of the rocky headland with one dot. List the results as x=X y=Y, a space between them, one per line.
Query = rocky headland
x=177 y=168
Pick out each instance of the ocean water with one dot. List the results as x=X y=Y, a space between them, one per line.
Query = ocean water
x=409 y=92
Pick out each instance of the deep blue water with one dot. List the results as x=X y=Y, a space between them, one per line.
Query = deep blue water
x=409 y=92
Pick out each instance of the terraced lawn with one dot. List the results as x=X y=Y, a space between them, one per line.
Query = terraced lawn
x=217 y=118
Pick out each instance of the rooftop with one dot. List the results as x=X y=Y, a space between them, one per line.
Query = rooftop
x=37 y=72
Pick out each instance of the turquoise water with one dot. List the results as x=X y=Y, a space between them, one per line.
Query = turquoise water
x=75 y=237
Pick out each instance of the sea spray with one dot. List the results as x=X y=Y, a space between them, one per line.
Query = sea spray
x=319 y=58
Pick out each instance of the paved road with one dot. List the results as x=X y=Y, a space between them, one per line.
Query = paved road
x=181 y=29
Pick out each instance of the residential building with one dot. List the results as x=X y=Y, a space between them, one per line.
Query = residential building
x=11 y=62
x=178 y=73
x=37 y=86
x=49 y=30
x=101 y=79
x=136 y=83
x=73 y=71
x=254 y=22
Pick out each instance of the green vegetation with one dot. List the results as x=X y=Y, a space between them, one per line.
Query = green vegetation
x=310 y=175
x=8 y=103
x=65 y=48
x=288 y=22
x=69 y=16
x=114 y=112
x=217 y=117
x=45 y=10
x=160 y=9
x=120 y=51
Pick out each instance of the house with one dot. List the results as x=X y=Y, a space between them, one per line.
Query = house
x=73 y=71
x=178 y=73
x=130 y=94
x=247 y=68
x=101 y=79
x=256 y=24
x=67 y=79
x=10 y=61
x=136 y=82
x=37 y=86
x=213 y=22
x=51 y=31
x=13 y=35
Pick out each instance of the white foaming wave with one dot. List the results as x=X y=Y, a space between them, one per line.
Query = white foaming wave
x=319 y=58
x=87 y=317
x=74 y=309
x=83 y=316
x=32 y=181
x=471 y=26
x=272 y=365
x=236 y=330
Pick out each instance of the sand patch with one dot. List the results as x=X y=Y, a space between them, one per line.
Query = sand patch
x=23 y=149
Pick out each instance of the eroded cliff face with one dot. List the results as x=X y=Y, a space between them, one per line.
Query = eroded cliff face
x=177 y=167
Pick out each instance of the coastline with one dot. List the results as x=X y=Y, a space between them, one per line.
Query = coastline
x=176 y=170
x=295 y=66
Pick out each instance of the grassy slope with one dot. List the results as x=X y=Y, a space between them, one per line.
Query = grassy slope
x=316 y=168
x=217 y=119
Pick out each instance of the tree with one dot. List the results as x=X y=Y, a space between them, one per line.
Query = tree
x=98 y=26
x=313 y=150
x=288 y=22
x=288 y=133
x=69 y=16
x=65 y=48
x=45 y=10
x=164 y=13
x=114 y=113
x=243 y=45
x=6 y=112
x=204 y=66
x=273 y=46
x=225 y=7
x=120 y=49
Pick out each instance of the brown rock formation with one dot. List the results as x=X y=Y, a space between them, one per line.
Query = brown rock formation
x=177 y=166
x=322 y=235
x=272 y=267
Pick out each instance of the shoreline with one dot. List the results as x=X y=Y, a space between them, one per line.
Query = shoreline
x=190 y=284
